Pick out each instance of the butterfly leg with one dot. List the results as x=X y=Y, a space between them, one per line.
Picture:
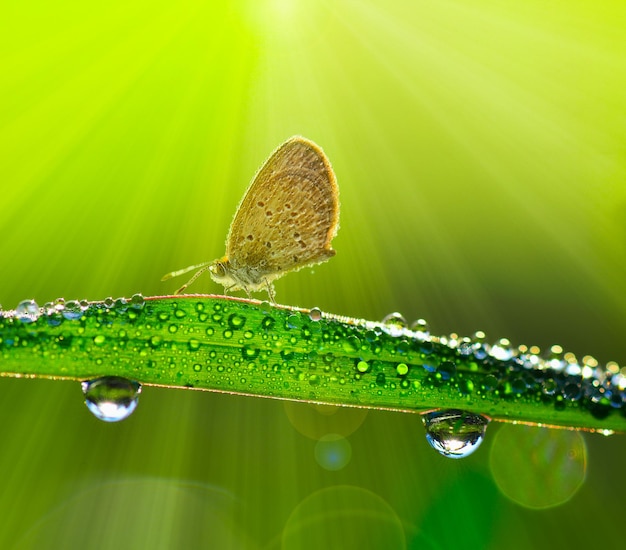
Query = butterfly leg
x=270 y=291
x=196 y=275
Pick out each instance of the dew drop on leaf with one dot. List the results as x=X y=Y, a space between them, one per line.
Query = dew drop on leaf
x=421 y=326
x=72 y=310
x=27 y=311
x=396 y=319
x=394 y=323
x=315 y=314
x=236 y=321
x=351 y=344
x=137 y=301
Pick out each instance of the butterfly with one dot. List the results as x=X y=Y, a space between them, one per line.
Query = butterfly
x=286 y=221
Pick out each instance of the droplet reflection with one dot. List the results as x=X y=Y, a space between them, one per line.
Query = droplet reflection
x=454 y=433
x=27 y=311
x=111 y=398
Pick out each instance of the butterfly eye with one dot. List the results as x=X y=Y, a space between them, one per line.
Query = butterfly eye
x=217 y=270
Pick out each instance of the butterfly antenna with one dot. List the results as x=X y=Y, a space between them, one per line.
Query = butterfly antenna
x=183 y=271
x=203 y=268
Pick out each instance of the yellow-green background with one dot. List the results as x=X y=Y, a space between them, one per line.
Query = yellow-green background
x=480 y=149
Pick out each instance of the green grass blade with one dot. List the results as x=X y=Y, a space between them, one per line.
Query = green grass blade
x=248 y=347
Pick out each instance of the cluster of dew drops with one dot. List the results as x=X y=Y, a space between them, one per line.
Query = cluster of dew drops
x=109 y=398
x=457 y=434
x=451 y=432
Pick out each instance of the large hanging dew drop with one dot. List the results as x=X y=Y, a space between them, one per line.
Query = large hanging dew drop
x=454 y=433
x=111 y=398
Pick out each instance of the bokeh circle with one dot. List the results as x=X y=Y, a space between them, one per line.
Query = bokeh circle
x=538 y=467
x=343 y=516
x=316 y=420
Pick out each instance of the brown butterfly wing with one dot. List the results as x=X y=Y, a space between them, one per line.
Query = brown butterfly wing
x=289 y=214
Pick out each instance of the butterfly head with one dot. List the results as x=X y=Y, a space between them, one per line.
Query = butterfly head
x=219 y=270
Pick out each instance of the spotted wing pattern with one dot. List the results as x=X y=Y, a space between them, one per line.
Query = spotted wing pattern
x=288 y=216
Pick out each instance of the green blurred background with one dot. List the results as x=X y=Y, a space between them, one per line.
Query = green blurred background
x=480 y=149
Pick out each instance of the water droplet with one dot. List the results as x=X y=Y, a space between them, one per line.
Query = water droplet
x=99 y=340
x=572 y=391
x=111 y=398
x=466 y=386
x=454 y=433
x=27 y=311
x=267 y=323
x=351 y=344
x=137 y=301
x=502 y=350
x=315 y=314
x=549 y=386
x=294 y=321
x=362 y=366
x=617 y=400
x=403 y=347
x=427 y=348
x=249 y=353
x=394 y=323
x=53 y=317
x=236 y=321
x=402 y=369
x=155 y=341
x=421 y=326
x=395 y=318
x=447 y=370
x=465 y=347
x=72 y=310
